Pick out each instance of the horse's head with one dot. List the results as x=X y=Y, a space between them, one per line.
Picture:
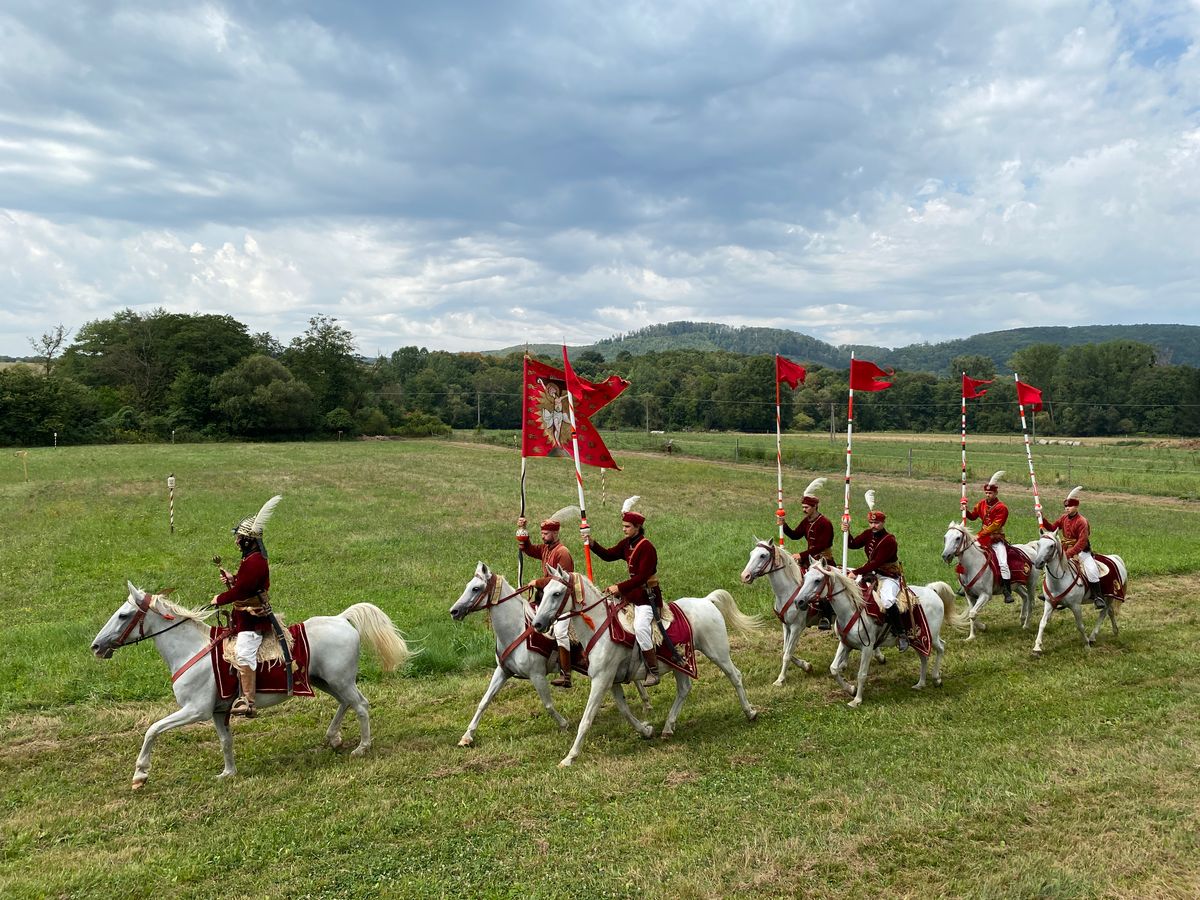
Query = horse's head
x=130 y=615
x=475 y=594
x=761 y=561
x=815 y=580
x=1046 y=547
x=958 y=537
x=558 y=599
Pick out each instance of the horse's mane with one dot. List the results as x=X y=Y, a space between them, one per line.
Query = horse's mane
x=789 y=563
x=847 y=583
x=199 y=615
x=964 y=527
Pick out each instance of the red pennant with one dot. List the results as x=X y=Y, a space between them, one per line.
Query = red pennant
x=863 y=375
x=546 y=420
x=788 y=372
x=971 y=388
x=1028 y=395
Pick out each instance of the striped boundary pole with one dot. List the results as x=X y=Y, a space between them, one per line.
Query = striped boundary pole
x=171 y=500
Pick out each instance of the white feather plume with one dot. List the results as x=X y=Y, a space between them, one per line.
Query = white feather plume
x=870 y=498
x=264 y=514
x=1074 y=494
x=566 y=514
x=813 y=486
x=995 y=479
x=628 y=504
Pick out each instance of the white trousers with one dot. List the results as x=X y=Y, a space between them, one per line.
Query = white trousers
x=1001 y=550
x=245 y=649
x=643 y=618
x=1091 y=571
x=889 y=590
x=562 y=628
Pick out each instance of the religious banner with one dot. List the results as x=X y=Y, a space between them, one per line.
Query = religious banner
x=546 y=421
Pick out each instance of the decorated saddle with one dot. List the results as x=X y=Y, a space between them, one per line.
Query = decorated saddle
x=271 y=673
x=678 y=628
x=1111 y=584
x=912 y=618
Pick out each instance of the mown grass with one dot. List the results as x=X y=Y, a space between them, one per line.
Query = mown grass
x=1072 y=776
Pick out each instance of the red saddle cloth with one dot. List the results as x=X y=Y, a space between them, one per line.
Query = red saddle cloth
x=916 y=626
x=272 y=677
x=1111 y=584
x=1019 y=565
x=679 y=631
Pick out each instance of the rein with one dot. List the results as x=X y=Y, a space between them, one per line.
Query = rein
x=138 y=621
x=963 y=547
x=767 y=569
x=1076 y=578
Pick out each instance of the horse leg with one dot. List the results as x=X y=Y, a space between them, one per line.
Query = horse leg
x=939 y=647
x=973 y=612
x=185 y=716
x=599 y=686
x=499 y=677
x=1099 y=622
x=839 y=663
x=683 y=687
x=790 y=633
x=920 y=685
x=864 y=665
x=1078 y=610
x=542 y=686
x=879 y=657
x=1037 y=644
x=647 y=709
x=1112 y=617
x=645 y=729
x=1026 y=605
x=225 y=734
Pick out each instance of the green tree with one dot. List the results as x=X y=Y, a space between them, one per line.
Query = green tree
x=259 y=397
x=324 y=359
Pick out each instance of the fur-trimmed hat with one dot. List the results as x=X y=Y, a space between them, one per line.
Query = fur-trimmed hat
x=875 y=515
x=993 y=483
x=1073 y=496
x=810 y=493
x=252 y=526
x=627 y=513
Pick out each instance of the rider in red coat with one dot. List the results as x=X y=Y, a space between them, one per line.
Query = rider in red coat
x=1076 y=541
x=882 y=565
x=816 y=530
x=992 y=512
x=552 y=553
x=641 y=587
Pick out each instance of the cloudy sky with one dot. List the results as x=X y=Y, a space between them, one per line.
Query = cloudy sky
x=472 y=175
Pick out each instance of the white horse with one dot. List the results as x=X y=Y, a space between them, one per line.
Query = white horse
x=859 y=631
x=511 y=615
x=180 y=634
x=1065 y=586
x=785 y=576
x=978 y=583
x=611 y=663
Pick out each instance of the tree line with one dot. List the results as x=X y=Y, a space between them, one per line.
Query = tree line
x=161 y=376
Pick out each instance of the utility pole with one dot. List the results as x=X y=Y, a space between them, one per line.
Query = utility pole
x=477 y=414
x=646 y=402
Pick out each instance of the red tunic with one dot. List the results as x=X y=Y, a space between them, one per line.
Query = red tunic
x=818 y=535
x=883 y=553
x=993 y=518
x=253 y=578
x=555 y=554
x=1076 y=533
x=642 y=560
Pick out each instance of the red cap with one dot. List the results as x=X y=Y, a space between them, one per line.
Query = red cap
x=1071 y=501
x=634 y=518
x=551 y=525
x=876 y=515
x=991 y=487
x=809 y=501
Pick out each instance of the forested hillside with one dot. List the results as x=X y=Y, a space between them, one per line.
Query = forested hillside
x=165 y=376
x=1178 y=344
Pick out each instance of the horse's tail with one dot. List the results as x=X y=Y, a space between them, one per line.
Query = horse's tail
x=735 y=620
x=943 y=590
x=380 y=634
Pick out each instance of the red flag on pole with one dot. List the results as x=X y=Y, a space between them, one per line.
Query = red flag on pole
x=863 y=375
x=788 y=372
x=972 y=387
x=546 y=423
x=1028 y=395
x=591 y=397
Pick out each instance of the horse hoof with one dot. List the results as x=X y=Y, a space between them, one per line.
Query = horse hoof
x=225 y=776
x=465 y=741
x=137 y=785
x=359 y=751
x=855 y=703
x=918 y=686
x=937 y=682
x=647 y=732
x=667 y=735
x=752 y=715
x=335 y=741
x=1036 y=654
x=565 y=763
x=777 y=682
x=807 y=667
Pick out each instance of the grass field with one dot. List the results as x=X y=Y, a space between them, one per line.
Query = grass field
x=1071 y=776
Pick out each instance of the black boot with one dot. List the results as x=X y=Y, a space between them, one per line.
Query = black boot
x=893 y=618
x=1006 y=586
x=1097 y=594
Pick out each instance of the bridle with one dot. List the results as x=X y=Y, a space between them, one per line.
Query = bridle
x=1076 y=574
x=487 y=597
x=966 y=540
x=768 y=567
x=138 y=622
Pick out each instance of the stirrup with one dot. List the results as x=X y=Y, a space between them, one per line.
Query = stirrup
x=243 y=707
x=901 y=643
x=823 y=624
x=562 y=681
x=652 y=678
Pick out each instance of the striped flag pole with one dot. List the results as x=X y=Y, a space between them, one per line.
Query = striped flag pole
x=779 y=453
x=1037 y=499
x=583 y=522
x=846 y=502
x=963 y=505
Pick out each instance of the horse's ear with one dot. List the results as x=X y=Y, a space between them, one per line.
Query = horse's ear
x=134 y=593
x=482 y=570
x=757 y=540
